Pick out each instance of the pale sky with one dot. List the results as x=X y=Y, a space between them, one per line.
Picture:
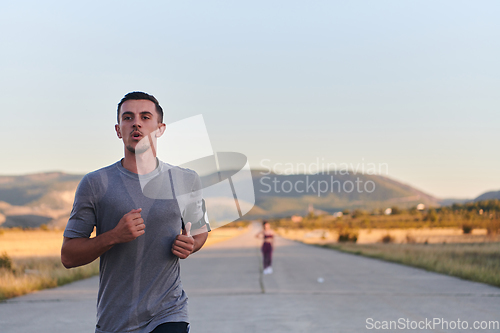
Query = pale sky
x=413 y=84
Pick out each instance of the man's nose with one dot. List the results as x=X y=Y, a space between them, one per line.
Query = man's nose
x=137 y=123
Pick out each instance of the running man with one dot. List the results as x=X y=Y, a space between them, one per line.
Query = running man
x=138 y=206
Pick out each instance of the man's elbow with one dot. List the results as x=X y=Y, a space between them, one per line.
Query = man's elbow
x=66 y=263
x=66 y=260
x=66 y=257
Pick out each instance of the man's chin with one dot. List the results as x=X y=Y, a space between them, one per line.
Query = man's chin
x=138 y=150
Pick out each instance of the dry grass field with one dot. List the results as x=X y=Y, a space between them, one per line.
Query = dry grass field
x=30 y=260
x=398 y=235
x=18 y=243
x=222 y=234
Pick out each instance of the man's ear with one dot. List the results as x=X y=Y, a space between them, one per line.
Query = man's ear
x=161 y=129
x=118 y=132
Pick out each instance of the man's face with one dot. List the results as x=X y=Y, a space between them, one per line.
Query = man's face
x=138 y=119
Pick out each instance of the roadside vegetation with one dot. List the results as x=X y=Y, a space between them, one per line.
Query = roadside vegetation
x=399 y=237
x=30 y=259
x=19 y=276
x=478 y=262
x=469 y=216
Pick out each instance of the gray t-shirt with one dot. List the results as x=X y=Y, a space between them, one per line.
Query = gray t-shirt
x=139 y=282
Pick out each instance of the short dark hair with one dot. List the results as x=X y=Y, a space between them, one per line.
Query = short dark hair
x=137 y=95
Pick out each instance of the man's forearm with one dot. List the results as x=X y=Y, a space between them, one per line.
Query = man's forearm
x=81 y=251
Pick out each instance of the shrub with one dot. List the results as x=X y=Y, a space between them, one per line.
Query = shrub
x=467 y=228
x=395 y=210
x=5 y=261
x=346 y=235
x=387 y=239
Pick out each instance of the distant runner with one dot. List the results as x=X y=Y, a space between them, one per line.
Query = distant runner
x=267 y=247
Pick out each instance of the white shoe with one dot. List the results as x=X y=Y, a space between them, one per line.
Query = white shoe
x=269 y=270
x=266 y=271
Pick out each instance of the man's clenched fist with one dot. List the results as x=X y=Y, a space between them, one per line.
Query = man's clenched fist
x=183 y=245
x=130 y=226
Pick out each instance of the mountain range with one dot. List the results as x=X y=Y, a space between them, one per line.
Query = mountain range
x=29 y=201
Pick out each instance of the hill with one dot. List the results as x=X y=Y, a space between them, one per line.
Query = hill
x=282 y=195
x=491 y=195
x=29 y=201
x=488 y=196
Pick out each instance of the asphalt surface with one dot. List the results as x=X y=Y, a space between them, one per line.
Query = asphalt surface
x=311 y=290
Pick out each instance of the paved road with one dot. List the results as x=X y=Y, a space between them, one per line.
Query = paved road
x=227 y=293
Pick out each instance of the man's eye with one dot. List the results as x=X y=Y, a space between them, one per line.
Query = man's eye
x=145 y=117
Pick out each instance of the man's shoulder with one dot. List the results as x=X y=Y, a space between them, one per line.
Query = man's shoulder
x=99 y=175
x=99 y=172
x=177 y=170
x=184 y=178
x=103 y=169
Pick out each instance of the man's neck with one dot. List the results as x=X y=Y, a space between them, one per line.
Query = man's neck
x=139 y=164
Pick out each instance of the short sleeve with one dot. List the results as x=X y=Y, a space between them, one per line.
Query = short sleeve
x=83 y=215
x=195 y=211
